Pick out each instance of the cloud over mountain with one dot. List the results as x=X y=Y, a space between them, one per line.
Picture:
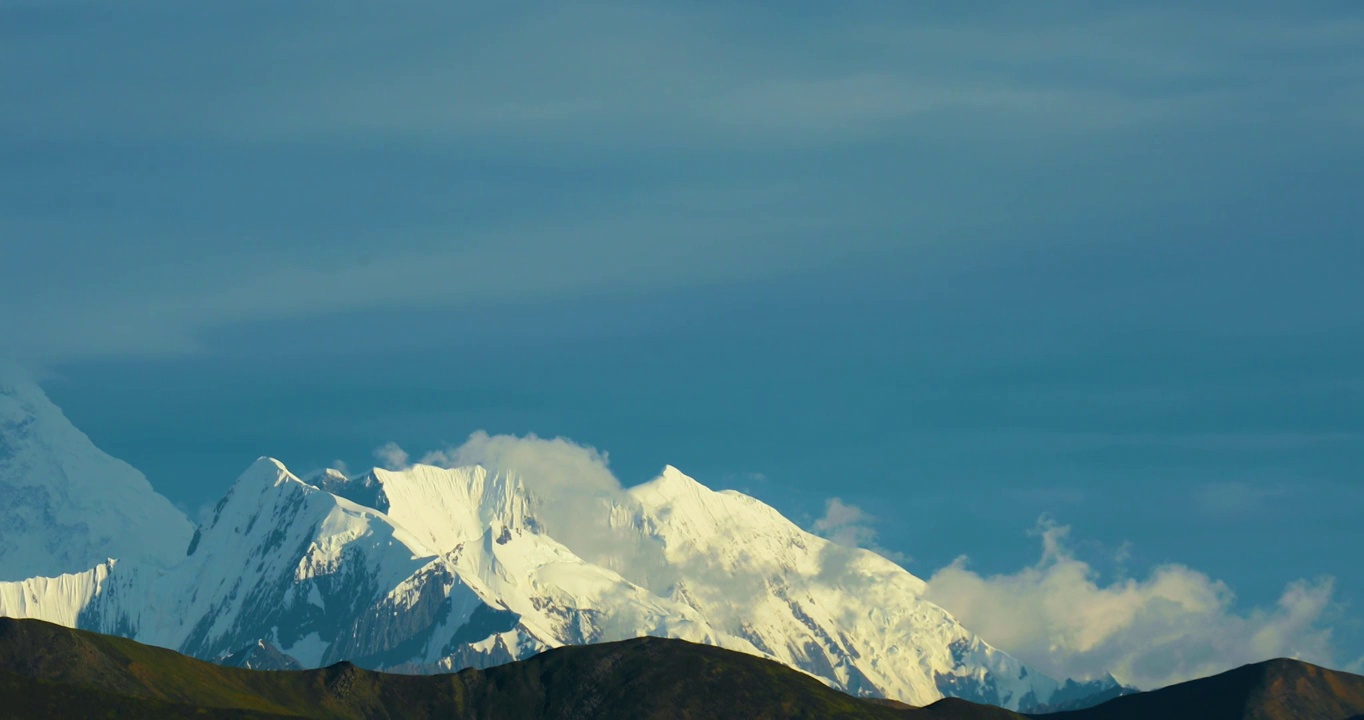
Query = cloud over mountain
x=851 y=526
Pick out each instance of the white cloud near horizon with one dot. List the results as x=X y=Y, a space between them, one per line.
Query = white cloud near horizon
x=1175 y=624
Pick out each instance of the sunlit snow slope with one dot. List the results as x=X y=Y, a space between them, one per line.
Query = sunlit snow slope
x=430 y=569
x=66 y=505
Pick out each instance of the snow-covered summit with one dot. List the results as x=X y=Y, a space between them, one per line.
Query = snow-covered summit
x=459 y=568
x=67 y=505
x=434 y=569
x=856 y=617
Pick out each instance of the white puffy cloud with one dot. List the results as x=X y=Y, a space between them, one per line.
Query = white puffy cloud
x=851 y=526
x=845 y=524
x=579 y=501
x=544 y=465
x=392 y=456
x=1174 y=625
x=582 y=504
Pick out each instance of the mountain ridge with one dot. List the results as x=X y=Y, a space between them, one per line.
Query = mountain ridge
x=1275 y=689
x=643 y=677
x=47 y=669
x=432 y=569
x=68 y=505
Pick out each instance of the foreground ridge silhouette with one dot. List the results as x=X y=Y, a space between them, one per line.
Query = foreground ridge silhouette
x=47 y=670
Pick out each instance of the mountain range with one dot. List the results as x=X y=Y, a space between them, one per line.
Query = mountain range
x=433 y=569
x=50 y=671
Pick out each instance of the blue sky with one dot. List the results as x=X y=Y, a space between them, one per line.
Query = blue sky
x=962 y=269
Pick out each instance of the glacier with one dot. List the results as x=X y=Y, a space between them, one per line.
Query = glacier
x=433 y=569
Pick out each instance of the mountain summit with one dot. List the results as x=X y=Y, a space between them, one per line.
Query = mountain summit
x=431 y=569
x=68 y=506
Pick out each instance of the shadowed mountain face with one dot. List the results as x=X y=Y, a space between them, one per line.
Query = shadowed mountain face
x=51 y=671
x=260 y=656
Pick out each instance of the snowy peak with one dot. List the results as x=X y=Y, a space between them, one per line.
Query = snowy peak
x=268 y=502
x=30 y=425
x=260 y=655
x=436 y=569
x=1075 y=695
x=673 y=477
x=281 y=562
x=264 y=472
x=448 y=506
x=670 y=486
x=258 y=490
x=690 y=517
x=68 y=505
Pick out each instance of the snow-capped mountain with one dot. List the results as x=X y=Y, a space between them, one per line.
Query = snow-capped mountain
x=434 y=569
x=67 y=505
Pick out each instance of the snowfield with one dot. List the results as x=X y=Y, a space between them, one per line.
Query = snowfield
x=433 y=569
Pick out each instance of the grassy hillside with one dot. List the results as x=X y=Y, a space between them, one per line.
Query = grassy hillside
x=1272 y=690
x=54 y=671
x=50 y=671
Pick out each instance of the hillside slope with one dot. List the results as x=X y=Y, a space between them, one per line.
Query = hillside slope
x=1278 y=689
x=47 y=670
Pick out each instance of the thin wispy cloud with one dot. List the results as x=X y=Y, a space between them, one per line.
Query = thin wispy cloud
x=715 y=106
x=1237 y=498
x=658 y=75
x=630 y=252
x=653 y=77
